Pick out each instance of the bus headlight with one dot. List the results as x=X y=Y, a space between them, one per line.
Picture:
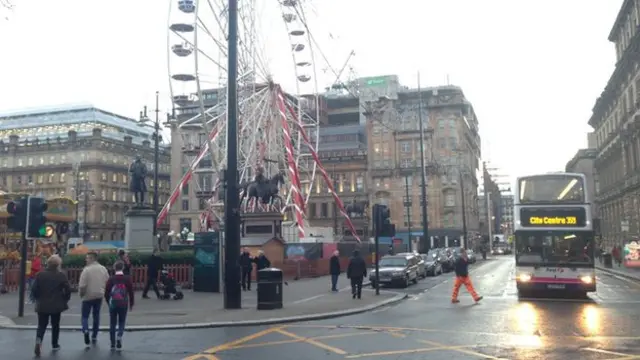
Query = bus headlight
x=524 y=277
x=586 y=279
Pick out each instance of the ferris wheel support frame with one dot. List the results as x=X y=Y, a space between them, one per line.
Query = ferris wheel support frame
x=314 y=154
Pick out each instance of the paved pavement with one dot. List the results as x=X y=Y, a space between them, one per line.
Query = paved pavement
x=632 y=273
x=309 y=298
x=603 y=326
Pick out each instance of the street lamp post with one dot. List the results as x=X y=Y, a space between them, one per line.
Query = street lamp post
x=425 y=244
x=232 y=289
x=407 y=205
x=157 y=137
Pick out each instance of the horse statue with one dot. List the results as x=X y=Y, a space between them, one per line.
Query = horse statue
x=264 y=190
x=358 y=208
x=137 y=184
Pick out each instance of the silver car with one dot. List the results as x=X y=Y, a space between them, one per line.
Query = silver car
x=422 y=265
x=399 y=270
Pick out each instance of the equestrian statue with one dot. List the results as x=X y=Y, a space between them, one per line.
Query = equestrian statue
x=358 y=208
x=137 y=183
x=262 y=189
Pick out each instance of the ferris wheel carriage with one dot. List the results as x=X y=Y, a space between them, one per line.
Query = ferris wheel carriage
x=181 y=100
x=182 y=50
x=187 y=6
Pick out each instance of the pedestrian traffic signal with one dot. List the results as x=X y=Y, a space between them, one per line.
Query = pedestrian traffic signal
x=36 y=217
x=382 y=221
x=17 y=214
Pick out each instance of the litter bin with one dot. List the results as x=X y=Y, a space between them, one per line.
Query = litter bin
x=270 y=289
x=608 y=260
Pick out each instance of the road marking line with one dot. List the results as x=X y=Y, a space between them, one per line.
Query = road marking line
x=602 y=351
x=634 y=357
x=408 y=351
x=460 y=350
x=310 y=341
x=240 y=341
x=295 y=341
x=201 y=357
x=445 y=331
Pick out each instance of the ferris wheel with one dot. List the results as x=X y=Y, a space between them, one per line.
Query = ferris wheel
x=278 y=164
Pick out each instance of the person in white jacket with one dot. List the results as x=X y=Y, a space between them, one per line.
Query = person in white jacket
x=93 y=281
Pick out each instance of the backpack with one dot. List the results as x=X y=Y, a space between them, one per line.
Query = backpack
x=119 y=296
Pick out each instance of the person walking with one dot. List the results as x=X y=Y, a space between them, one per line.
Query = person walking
x=246 y=263
x=356 y=272
x=93 y=279
x=262 y=262
x=32 y=271
x=119 y=295
x=51 y=291
x=124 y=257
x=154 y=266
x=461 y=268
x=334 y=269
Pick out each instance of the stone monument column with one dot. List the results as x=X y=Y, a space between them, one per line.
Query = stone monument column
x=138 y=235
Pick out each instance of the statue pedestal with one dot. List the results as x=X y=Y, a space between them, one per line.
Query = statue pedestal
x=260 y=227
x=138 y=233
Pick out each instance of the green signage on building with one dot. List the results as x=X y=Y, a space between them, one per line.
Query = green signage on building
x=376 y=81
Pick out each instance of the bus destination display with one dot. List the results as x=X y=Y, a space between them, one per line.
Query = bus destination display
x=556 y=217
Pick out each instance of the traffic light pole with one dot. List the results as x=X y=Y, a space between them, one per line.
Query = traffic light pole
x=376 y=232
x=23 y=261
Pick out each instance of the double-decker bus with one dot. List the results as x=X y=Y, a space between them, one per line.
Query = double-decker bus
x=553 y=234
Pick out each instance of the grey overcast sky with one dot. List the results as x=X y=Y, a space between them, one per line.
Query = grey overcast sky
x=532 y=69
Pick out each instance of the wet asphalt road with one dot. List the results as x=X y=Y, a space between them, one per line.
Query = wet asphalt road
x=426 y=326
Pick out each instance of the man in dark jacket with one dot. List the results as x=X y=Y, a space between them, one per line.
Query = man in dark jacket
x=153 y=268
x=122 y=256
x=356 y=271
x=261 y=261
x=246 y=264
x=334 y=270
x=461 y=268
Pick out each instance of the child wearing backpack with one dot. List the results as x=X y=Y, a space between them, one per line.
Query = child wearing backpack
x=119 y=296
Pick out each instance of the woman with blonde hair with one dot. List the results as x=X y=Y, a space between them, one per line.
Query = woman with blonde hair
x=52 y=292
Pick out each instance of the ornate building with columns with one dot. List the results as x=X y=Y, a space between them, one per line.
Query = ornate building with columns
x=616 y=123
x=83 y=153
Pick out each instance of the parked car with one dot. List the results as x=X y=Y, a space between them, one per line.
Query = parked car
x=447 y=259
x=422 y=266
x=396 y=270
x=472 y=256
x=432 y=261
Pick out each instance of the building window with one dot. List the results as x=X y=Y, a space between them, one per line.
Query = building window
x=114 y=216
x=63 y=159
x=359 y=183
x=185 y=205
x=324 y=210
x=41 y=160
x=103 y=194
x=103 y=216
x=185 y=189
x=450 y=199
x=124 y=178
x=114 y=195
x=63 y=178
x=30 y=161
x=51 y=178
x=312 y=211
x=52 y=159
x=405 y=147
x=405 y=163
x=114 y=178
x=20 y=162
x=40 y=179
x=104 y=176
x=29 y=179
x=5 y=162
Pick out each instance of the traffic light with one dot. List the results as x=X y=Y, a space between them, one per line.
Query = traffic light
x=17 y=214
x=36 y=218
x=382 y=220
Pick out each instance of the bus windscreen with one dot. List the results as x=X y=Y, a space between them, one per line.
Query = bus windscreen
x=539 y=248
x=551 y=189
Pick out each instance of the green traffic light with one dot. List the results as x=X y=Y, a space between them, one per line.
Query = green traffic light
x=42 y=231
